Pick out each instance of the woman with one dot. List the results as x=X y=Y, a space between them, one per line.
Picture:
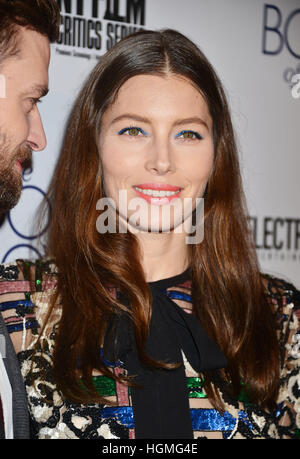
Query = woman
x=135 y=332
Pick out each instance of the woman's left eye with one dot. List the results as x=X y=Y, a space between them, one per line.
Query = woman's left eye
x=189 y=135
x=132 y=131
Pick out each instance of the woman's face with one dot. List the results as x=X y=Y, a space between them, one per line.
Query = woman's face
x=156 y=148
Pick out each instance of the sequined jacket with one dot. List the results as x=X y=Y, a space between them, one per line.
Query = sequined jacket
x=24 y=306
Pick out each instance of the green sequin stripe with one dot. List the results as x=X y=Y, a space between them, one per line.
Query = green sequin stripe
x=106 y=386
x=195 y=387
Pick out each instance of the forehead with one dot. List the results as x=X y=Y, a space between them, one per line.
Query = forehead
x=34 y=45
x=159 y=96
x=29 y=68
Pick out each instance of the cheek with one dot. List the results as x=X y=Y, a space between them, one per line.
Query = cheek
x=200 y=169
x=117 y=164
x=109 y=164
x=113 y=174
x=110 y=176
x=17 y=127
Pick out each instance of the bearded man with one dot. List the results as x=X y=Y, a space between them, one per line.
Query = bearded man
x=26 y=30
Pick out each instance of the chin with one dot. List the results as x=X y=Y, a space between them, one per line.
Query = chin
x=155 y=226
x=10 y=194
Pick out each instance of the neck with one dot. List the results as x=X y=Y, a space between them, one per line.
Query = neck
x=163 y=255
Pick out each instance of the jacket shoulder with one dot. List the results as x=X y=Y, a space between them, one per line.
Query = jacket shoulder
x=284 y=297
x=24 y=287
x=28 y=275
x=282 y=292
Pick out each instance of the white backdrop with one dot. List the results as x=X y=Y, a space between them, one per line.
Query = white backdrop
x=255 y=49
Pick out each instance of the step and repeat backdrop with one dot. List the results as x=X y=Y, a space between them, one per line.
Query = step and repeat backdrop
x=255 y=49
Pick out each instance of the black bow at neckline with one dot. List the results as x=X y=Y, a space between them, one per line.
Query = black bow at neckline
x=161 y=403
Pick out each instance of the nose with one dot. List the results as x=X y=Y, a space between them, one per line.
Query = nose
x=36 y=137
x=160 y=159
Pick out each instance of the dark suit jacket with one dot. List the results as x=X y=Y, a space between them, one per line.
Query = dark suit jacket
x=20 y=409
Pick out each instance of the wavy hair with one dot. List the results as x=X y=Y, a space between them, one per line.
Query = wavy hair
x=227 y=286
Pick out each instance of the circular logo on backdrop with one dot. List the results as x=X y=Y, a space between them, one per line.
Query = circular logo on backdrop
x=22 y=220
x=21 y=251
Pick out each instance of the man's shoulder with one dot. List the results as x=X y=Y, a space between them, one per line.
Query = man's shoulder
x=26 y=288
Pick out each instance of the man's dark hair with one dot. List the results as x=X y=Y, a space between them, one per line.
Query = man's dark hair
x=42 y=16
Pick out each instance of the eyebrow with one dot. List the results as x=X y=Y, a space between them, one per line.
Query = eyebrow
x=194 y=119
x=41 y=90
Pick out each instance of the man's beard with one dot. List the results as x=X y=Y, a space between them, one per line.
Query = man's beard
x=10 y=177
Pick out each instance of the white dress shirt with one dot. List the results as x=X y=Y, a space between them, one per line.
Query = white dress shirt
x=6 y=398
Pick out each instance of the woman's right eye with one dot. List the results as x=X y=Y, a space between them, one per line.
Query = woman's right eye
x=132 y=131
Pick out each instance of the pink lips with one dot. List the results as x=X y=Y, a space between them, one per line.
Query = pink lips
x=158 y=186
x=159 y=201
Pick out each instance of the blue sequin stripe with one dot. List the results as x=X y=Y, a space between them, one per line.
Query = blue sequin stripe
x=202 y=419
x=123 y=414
x=212 y=420
x=32 y=323
x=173 y=294
x=178 y=295
x=15 y=304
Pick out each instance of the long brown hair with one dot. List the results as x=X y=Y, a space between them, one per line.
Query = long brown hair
x=228 y=292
